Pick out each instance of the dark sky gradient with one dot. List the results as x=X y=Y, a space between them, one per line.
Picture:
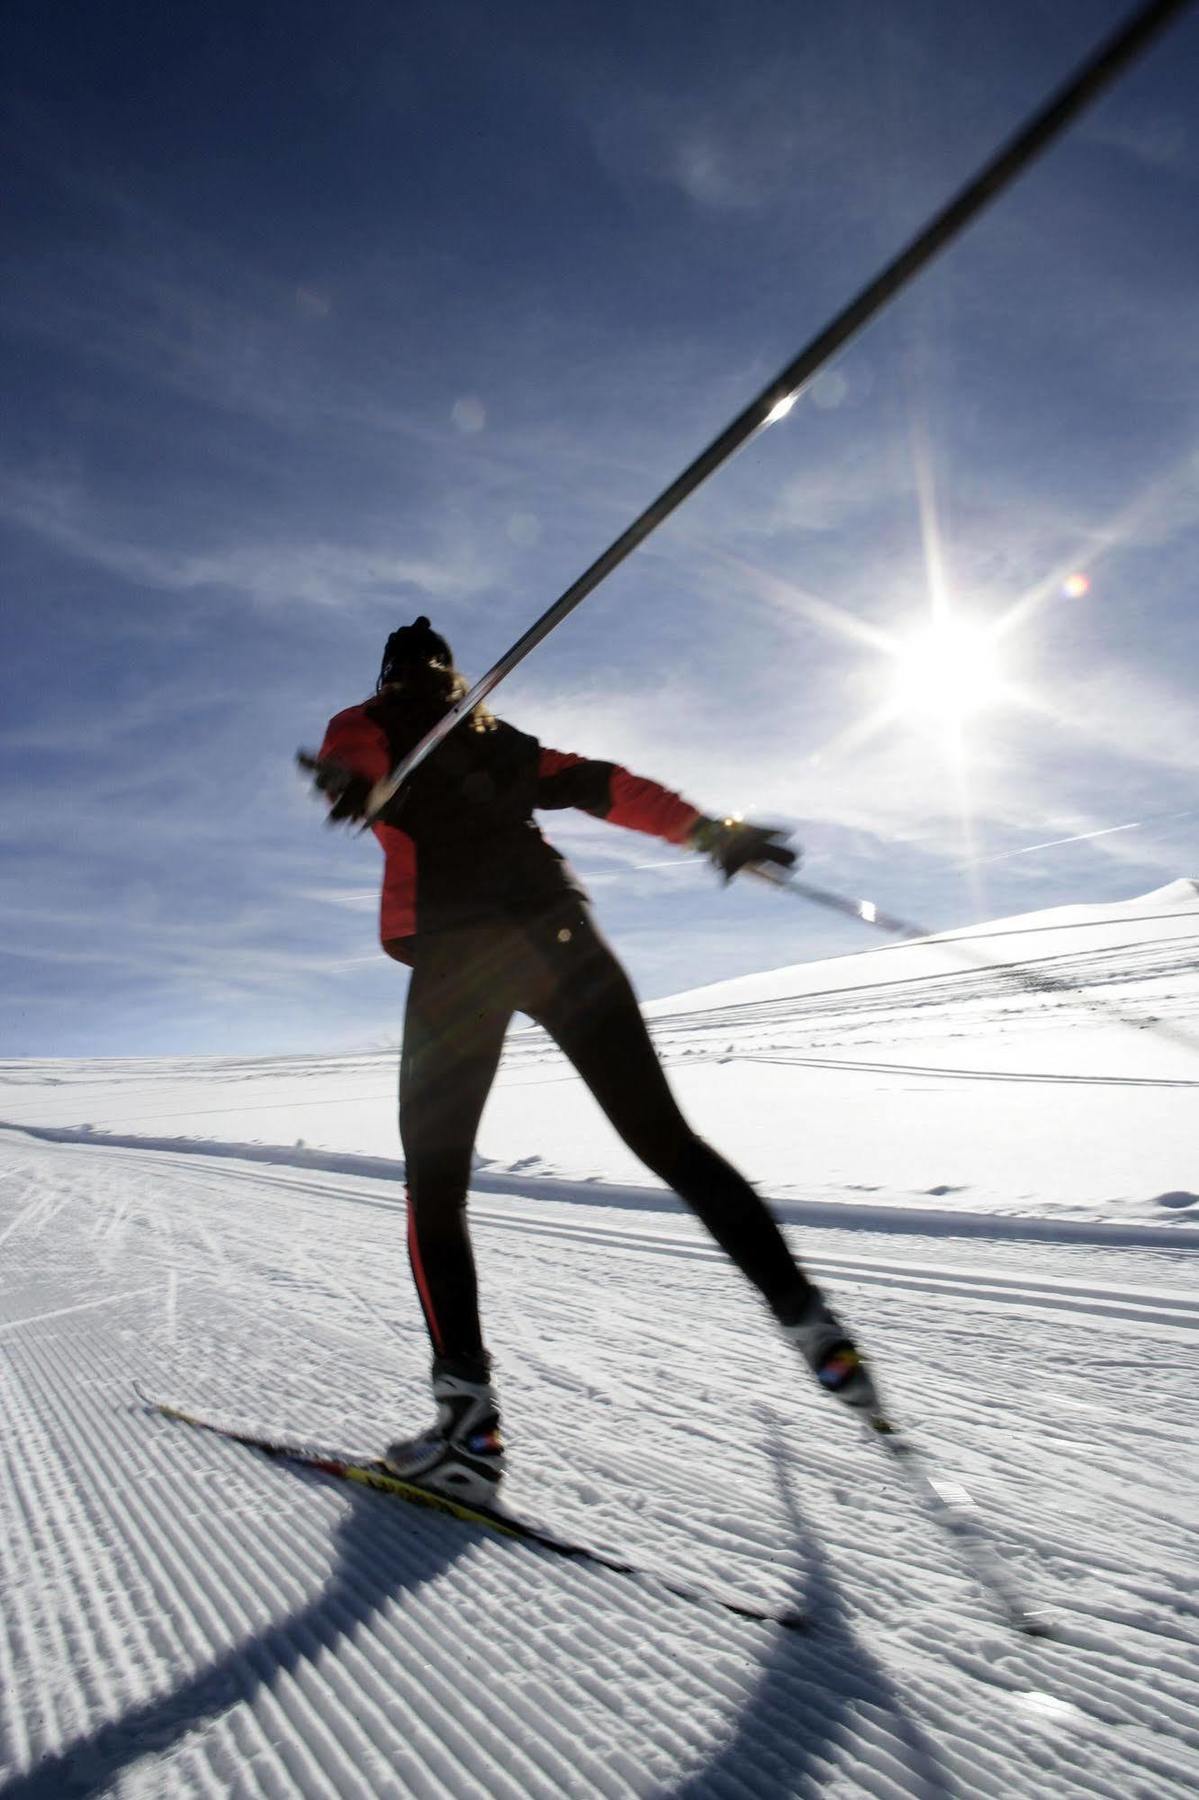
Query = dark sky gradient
x=313 y=318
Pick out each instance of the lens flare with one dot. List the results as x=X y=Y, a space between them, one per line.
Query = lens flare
x=1076 y=585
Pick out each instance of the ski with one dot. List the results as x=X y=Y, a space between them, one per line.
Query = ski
x=951 y=1507
x=366 y=1472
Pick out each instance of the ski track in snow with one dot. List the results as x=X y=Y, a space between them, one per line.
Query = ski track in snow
x=181 y=1617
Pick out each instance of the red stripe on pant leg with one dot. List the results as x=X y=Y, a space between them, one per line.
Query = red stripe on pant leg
x=418 y=1275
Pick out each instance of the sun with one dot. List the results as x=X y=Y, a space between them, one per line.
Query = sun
x=947 y=673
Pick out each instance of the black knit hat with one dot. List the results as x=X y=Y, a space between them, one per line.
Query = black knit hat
x=410 y=645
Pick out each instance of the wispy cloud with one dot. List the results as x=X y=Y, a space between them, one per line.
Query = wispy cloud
x=772 y=130
x=284 y=572
x=1145 y=720
x=357 y=900
x=1157 y=138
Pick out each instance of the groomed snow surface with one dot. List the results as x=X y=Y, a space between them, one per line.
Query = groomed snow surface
x=994 y=1176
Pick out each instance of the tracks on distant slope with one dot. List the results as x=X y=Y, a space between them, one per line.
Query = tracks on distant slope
x=1077 y=969
x=1074 y=973
x=946 y=1072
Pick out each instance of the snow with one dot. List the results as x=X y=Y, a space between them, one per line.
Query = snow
x=997 y=1183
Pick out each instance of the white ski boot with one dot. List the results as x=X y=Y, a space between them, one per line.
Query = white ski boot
x=462 y=1453
x=833 y=1357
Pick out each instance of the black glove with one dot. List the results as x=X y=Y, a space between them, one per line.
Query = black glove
x=732 y=844
x=348 y=792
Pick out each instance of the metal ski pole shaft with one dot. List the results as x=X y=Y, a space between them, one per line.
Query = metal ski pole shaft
x=865 y=910
x=1029 y=141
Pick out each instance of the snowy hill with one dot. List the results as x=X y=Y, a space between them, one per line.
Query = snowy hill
x=996 y=1179
x=1063 y=931
x=950 y=1073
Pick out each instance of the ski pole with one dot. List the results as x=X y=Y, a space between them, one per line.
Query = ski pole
x=865 y=910
x=1101 y=68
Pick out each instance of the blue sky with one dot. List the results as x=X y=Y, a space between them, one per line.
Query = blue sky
x=315 y=318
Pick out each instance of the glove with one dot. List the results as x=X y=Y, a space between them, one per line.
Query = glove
x=733 y=844
x=348 y=792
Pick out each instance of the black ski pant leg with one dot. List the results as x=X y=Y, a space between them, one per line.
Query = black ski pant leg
x=454 y=1029
x=594 y=1018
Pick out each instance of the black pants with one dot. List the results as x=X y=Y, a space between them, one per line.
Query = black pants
x=466 y=985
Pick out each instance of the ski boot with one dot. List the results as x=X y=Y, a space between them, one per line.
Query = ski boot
x=461 y=1455
x=831 y=1354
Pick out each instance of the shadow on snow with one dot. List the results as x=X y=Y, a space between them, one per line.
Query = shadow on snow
x=799 y=1722
x=786 y=1740
x=375 y=1558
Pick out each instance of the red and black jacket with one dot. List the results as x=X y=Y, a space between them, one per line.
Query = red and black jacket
x=459 y=840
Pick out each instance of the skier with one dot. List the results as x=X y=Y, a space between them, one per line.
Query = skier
x=492 y=920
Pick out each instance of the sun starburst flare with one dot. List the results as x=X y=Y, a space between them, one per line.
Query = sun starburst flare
x=947 y=672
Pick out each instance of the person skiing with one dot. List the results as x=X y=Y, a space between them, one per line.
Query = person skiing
x=492 y=920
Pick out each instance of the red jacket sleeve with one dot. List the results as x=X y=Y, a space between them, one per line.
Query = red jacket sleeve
x=358 y=743
x=612 y=793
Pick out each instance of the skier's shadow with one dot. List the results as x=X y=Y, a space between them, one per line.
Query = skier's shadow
x=377 y=1554
x=786 y=1739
